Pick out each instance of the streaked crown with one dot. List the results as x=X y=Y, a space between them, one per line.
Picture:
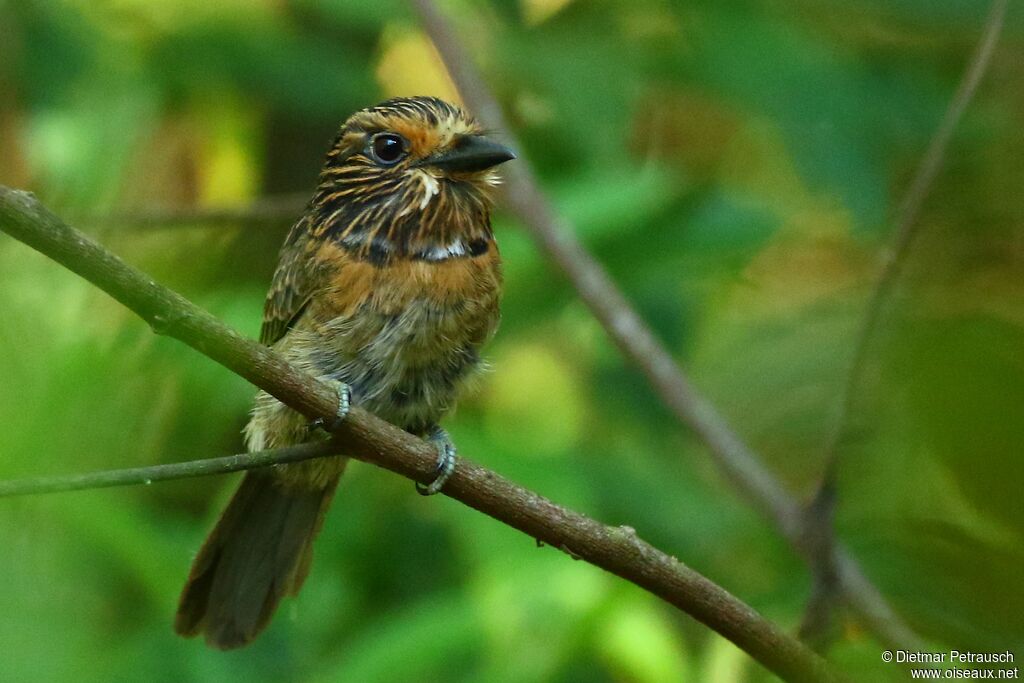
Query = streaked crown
x=408 y=176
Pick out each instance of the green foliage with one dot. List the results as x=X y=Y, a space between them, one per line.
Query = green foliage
x=735 y=165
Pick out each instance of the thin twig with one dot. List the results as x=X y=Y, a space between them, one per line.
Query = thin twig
x=153 y=473
x=758 y=485
x=819 y=529
x=273 y=210
x=361 y=435
x=907 y=227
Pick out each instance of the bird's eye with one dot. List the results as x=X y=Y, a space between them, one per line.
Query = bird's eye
x=387 y=148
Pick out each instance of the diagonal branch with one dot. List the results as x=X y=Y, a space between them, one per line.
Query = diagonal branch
x=758 y=485
x=907 y=227
x=361 y=435
x=819 y=525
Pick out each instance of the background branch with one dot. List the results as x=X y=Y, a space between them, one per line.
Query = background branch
x=616 y=549
x=820 y=528
x=271 y=210
x=907 y=227
x=758 y=485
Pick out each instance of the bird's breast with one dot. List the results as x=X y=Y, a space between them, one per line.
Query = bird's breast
x=405 y=334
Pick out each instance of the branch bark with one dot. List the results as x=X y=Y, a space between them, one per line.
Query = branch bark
x=361 y=435
x=745 y=468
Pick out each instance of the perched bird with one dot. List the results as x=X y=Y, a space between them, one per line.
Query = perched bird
x=388 y=286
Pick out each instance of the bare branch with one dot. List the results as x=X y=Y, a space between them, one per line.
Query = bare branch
x=273 y=210
x=361 y=435
x=907 y=227
x=180 y=470
x=758 y=486
x=820 y=531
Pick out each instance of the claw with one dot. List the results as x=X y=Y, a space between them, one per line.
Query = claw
x=344 y=405
x=445 y=462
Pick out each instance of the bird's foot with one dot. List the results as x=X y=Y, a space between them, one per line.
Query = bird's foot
x=445 y=462
x=344 y=406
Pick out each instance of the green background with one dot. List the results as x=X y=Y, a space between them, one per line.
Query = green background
x=735 y=165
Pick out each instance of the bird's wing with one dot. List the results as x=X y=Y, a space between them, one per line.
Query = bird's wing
x=292 y=286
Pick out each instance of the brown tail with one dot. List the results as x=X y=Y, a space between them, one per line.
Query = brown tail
x=260 y=550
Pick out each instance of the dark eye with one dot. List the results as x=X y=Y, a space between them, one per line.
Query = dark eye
x=387 y=148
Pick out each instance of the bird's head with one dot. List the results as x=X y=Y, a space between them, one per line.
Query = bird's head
x=409 y=175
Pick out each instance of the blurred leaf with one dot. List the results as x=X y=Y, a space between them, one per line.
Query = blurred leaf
x=641 y=643
x=964 y=381
x=604 y=205
x=533 y=390
x=431 y=636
